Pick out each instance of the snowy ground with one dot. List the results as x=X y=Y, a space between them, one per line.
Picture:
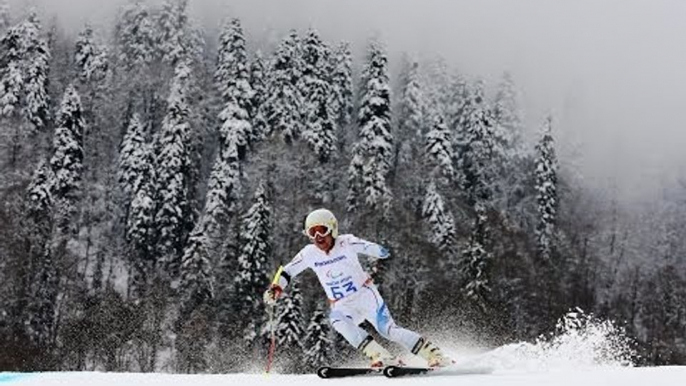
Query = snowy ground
x=664 y=376
x=582 y=352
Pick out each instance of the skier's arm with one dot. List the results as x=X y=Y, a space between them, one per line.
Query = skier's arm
x=288 y=272
x=368 y=248
x=292 y=269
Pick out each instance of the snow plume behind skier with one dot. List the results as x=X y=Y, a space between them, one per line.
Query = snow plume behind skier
x=351 y=292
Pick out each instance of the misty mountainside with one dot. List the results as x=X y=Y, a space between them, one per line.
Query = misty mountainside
x=156 y=172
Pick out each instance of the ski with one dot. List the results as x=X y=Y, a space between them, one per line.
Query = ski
x=397 y=371
x=340 y=372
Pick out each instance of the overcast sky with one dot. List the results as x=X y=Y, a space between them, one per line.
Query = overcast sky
x=612 y=72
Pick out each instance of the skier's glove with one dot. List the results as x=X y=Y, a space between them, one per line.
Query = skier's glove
x=271 y=294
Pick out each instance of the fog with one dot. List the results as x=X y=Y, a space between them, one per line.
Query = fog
x=612 y=72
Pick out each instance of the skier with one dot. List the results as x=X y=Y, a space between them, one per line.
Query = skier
x=352 y=294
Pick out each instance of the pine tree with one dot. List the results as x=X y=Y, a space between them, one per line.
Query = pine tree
x=440 y=220
x=342 y=85
x=176 y=41
x=412 y=110
x=173 y=170
x=546 y=191
x=258 y=81
x=67 y=159
x=171 y=23
x=140 y=235
x=319 y=128
x=12 y=76
x=373 y=153
x=137 y=181
x=133 y=158
x=282 y=107
x=196 y=287
x=66 y=166
x=39 y=191
x=252 y=277
x=223 y=191
x=36 y=76
x=476 y=261
x=233 y=82
x=439 y=149
x=135 y=37
x=24 y=67
x=90 y=58
x=507 y=118
x=510 y=157
x=478 y=148
x=289 y=326
x=318 y=344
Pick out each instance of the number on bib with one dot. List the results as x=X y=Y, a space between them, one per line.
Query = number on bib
x=347 y=287
x=336 y=295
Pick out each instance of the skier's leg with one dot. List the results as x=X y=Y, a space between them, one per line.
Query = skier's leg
x=413 y=342
x=345 y=325
x=346 y=322
x=380 y=317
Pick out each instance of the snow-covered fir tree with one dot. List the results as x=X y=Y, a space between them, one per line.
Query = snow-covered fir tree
x=133 y=157
x=318 y=345
x=140 y=235
x=12 y=76
x=511 y=158
x=438 y=86
x=37 y=67
x=232 y=78
x=196 y=287
x=476 y=261
x=136 y=178
x=90 y=58
x=342 y=84
x=39 y=191
x=251 y=275
x=67 y=159
x=171 y=23
x=223 y=190
x=455 y=98
x=507 y=118
x=439 y=149
x=259 y=84
x=373 y=152
x=440 y=220
x=289 y=326
x=24 y=67
x=222 y=198
x=173 y=173
x=546 y=191
x=412 y=106
x=135 y=36
x=477 y=148
x=282 y=107
x=319 y=126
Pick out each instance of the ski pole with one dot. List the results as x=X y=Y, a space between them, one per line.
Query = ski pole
x=272 y=344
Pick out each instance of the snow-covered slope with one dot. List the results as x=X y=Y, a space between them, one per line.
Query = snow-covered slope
x=664 y=376
x=582 y=352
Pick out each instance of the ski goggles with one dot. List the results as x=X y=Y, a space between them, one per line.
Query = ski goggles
x=318 y=230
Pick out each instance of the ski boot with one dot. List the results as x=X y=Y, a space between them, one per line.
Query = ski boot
x=379 y=356
x=432 y=354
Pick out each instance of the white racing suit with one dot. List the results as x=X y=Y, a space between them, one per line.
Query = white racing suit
x=353 y=296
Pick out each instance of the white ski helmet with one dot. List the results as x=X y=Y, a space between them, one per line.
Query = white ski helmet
x=322 y=217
